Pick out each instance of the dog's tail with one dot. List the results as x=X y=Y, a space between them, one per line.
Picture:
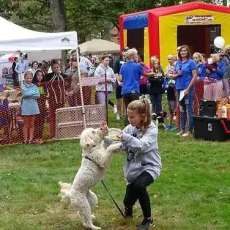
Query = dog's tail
x=65 y=192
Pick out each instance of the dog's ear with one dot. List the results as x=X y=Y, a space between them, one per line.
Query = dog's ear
x=86 y=142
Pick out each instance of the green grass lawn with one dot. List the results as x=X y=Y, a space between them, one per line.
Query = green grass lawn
x=193 y=191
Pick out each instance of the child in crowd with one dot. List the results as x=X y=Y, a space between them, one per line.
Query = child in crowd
x=73 y=91
x=156 y=89
x=131 y=73
x=143 y=164
x=104 y=71
x=29 y=106
x=144 y=79
x=213 y=84
x=4 y=117
x=199 y=84
x=171 y=90
x=38 y=80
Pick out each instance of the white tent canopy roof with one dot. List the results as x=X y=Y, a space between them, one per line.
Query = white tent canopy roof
x=97 y=46
x=14 y=37
x=5 y=58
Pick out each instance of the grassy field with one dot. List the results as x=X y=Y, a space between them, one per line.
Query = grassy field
x=193 y=191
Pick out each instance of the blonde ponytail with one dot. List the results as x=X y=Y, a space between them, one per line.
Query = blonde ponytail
x=142 y=107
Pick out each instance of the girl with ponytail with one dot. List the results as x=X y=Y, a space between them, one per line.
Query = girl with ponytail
x=143 y=162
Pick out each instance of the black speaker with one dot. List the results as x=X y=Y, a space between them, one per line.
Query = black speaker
x=208 y=108
x=210 y=128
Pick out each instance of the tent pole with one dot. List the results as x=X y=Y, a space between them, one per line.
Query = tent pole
x=81 y=91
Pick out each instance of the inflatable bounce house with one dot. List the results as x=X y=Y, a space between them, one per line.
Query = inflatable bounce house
x=161 y=30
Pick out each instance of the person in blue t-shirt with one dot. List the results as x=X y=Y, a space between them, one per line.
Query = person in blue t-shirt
x=185 y=75
x=131 y=72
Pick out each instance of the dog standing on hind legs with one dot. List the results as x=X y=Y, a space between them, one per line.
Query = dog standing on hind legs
x=96 y=156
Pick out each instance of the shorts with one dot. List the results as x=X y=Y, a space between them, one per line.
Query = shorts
x=118 y=91
x=143 y=89
x=172 y=106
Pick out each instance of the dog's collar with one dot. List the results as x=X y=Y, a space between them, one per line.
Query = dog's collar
x=90 y=159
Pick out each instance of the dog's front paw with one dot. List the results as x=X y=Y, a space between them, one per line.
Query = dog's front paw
x=114 y=147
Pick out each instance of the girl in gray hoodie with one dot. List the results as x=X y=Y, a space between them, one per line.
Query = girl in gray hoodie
x=143 y=164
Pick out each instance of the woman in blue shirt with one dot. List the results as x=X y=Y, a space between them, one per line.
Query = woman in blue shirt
x=185 y=75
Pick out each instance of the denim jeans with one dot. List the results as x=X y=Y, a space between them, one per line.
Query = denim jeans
x=186 y=111
x=156 y=99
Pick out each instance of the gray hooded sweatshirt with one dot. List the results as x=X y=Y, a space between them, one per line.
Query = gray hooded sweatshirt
x=142 y=152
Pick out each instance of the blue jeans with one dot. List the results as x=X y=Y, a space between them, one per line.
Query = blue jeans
x=156 y=99
x=186 y=111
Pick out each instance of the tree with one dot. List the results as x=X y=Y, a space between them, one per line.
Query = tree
x=32 y=14
x=58 y=14
x=90 y=18
x=5 y=8
x=95 y=17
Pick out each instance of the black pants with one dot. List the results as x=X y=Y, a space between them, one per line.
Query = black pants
x=15 y=79
x=137 y=191
x=127 y=99
x=111 y=103
x=156 y=99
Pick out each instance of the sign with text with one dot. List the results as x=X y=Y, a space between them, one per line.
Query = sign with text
x=199 y=19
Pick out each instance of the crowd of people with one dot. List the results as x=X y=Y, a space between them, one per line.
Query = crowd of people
x=187 y=79
x=45 y=87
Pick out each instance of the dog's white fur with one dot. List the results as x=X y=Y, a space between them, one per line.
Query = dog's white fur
x=90 y=172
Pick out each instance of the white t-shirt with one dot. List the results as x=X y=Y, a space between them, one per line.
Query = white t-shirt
x=100 y=71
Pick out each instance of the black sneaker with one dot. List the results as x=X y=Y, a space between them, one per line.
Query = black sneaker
x=128 y=213
x=146 y=223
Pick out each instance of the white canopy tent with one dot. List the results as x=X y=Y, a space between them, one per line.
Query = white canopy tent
x=14 y=37
x=17 y=38
x=98 y=46
x=7 y=57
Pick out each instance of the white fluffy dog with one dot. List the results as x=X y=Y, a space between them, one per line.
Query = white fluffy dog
x=96 y=157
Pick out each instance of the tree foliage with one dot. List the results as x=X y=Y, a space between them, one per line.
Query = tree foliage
x=32 y=14
x=90 y=18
